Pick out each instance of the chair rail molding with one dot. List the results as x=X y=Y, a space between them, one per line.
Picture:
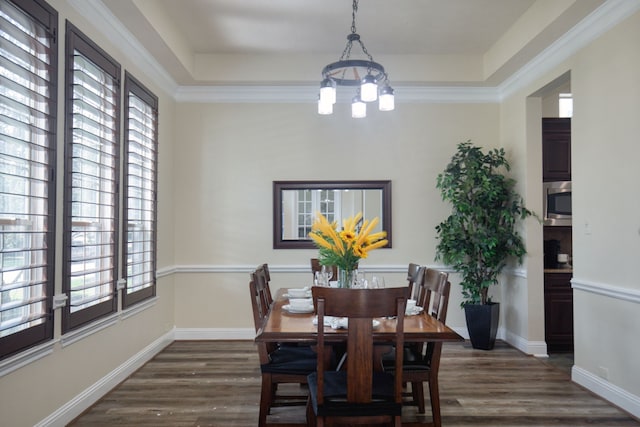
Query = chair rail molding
x=277 y=268
x=624 y=294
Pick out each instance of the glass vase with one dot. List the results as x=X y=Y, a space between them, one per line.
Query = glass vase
x=346 y=278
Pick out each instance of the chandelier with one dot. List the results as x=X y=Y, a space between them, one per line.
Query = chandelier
x=365 y=74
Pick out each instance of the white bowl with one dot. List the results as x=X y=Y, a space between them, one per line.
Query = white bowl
x=298 y=292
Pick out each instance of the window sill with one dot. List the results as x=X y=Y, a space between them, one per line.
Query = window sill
x=142 y=306
x=26 y=357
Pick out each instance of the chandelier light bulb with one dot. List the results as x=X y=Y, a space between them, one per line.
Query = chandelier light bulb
x=358 y=108
x=369 y=89
x=324 y=108
x=328 y=91
x=387 y=99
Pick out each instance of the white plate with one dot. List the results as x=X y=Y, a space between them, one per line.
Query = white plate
x=412 y=312
x=339 y=322
x=297 y=310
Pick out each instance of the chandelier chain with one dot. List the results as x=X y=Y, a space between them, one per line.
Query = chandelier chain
x=353 y=17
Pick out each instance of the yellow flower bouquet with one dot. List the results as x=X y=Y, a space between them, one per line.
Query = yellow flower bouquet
x=344 y=248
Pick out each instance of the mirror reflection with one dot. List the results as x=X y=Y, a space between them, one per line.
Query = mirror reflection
x=296 y=203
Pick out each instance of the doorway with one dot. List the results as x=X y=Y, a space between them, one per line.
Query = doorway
x=555 y=140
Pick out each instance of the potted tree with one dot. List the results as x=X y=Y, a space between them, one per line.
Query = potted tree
x=479 y=237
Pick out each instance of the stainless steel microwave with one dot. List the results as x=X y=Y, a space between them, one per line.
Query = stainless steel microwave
x=557 y=203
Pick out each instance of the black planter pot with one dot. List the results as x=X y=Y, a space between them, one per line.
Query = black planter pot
x=482 y=323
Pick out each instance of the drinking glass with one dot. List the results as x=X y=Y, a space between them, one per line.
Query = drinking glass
x=377 y=282
x=361 y=280
x=327 y=273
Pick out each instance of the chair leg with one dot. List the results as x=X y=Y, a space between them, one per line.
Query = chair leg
x=311 y=416
x=434 y=394
x=266 y=397
x=417 y=390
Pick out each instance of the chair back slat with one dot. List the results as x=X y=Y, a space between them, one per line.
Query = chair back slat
x=414 y=278
x=433 y=293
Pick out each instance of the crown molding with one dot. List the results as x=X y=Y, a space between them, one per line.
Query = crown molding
x=309 y=94
x=96 y=13
x=609 y=14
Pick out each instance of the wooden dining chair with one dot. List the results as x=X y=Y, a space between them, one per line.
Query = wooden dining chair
x=315 y=266
x=362 y=393
x=279 y=364
x=422 y=360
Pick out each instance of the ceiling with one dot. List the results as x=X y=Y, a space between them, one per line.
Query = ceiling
x=420 y=42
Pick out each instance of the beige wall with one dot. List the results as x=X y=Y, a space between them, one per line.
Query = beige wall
x=606 y=227
x=217 y=163
x=229 y=155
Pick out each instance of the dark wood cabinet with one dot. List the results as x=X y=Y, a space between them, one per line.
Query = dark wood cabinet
x=556 y=149
x=558 y=312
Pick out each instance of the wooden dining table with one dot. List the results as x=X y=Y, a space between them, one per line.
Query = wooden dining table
x=283 y=326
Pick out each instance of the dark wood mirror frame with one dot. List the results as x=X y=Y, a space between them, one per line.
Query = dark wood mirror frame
x=280 y=186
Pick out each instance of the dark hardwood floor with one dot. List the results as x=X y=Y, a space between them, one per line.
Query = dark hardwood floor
x=217 y=383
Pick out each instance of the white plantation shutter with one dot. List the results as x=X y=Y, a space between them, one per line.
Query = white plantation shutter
x=140 y=175
x=91 y=182
x=28 y=76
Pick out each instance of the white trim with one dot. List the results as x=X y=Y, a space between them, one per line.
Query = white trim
x=99 y=16
x=624 y=294
x=447 y=94
x=606 y=390
x=95 y=326
x=73 y=408
x=308 y=94
x=26 y=357
x=535 y=348
x=605 y=17
x=105 y=322
x=137 y=308
x=215 y=334
x=292 y=268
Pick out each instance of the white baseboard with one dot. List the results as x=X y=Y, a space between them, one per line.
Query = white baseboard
x=215 y=334
x=72 y=409
x=535 y=348
x=610 y=392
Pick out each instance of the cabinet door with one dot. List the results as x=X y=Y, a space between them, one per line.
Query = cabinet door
x=558 y=312
x=556 y=149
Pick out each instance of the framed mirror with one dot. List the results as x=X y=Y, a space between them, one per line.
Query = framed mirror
x=295 y=204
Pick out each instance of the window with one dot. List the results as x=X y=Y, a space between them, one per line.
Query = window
x=28 y=76
x=565 y=105
x=327 y=202
x=91 y=181
x=140 y=184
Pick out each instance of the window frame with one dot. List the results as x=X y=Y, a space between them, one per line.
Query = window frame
x=77 y=41
x=46 y=18
x=134 y=87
